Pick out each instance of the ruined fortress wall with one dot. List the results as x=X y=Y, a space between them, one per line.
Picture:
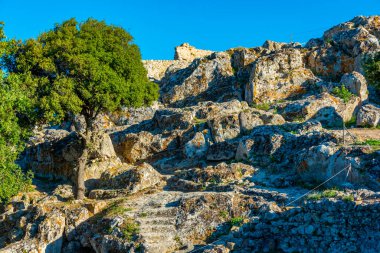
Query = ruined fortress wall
x=157 y=68
x=184 y=54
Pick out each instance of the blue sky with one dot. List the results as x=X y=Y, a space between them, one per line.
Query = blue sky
x=158 y=26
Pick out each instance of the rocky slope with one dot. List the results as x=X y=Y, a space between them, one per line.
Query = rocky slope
x=223 y=162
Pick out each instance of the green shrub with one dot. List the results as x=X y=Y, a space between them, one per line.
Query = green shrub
x=223 y=214
x=236 y=221
x=13 y=181
x=351 y=122
x=329 y=193
x=348 y=198
x=263 y=106
x=130 y=229
x=372 y=142
x=315 y=196
x=372 y=70
x=342 y=93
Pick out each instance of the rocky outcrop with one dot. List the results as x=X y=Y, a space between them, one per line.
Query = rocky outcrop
x=278 y=76
x=340 y=49
x=132 y=179
x=209 y=78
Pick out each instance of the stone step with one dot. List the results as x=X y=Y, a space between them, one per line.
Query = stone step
x=144 y=228
x=161 y=212
x=158 y=237
x=157 y=220
x=161 y=247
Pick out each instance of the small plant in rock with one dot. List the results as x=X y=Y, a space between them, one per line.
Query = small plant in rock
x=237 y=221
x=314 y=196
x=130 y=229
x=375 y=144
x=262 y=106
x=342 y=93
x=329 y=193
x=143 y=215
x=117 y=208
x=351 y=122
x=348 y=198
x=223 y=214
x=199 y=121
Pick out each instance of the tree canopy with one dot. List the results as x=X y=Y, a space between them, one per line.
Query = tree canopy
x=83 y=68
x=15 y=105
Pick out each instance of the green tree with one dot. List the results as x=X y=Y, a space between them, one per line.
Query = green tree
x=84 y=69
x=372 y=70
x=14 y=127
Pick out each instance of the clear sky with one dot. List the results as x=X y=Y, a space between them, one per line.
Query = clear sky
x=158 y=26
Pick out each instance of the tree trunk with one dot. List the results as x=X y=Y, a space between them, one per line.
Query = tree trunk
x=87 y=141
x=80 y=188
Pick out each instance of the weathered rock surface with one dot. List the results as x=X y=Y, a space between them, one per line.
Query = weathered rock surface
x=368 y=116
x=209 y=78
x=278 y=76
x=330 y=225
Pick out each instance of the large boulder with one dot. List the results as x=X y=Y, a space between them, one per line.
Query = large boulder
x=327 y=160
x=207 y=79
x=171 y=119
x=222 y=151
x=356 y=83
x=133 y=147
x=55 y=153
x=197 y=147
x=248 y=120
x=131 y=178
x=368 y=116
x=225 y=127
x=329 y=110
x=278 y=76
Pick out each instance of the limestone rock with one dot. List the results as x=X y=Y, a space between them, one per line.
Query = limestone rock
x=56 y=155
x=356 y=83
x=277 y=46
x=321 y=162
x=207 y=79
x=222 y=151
x=135 y=146
x=156 y=68
x=170 y=119
x=342 y=47
x=131 y=178
x=327 y=109
x=197 y=147
x=248 y=120
x=225 y=127
x=278 y=76
x=368 y=116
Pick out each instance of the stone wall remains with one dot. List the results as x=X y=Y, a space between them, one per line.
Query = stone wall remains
x=322 y=226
